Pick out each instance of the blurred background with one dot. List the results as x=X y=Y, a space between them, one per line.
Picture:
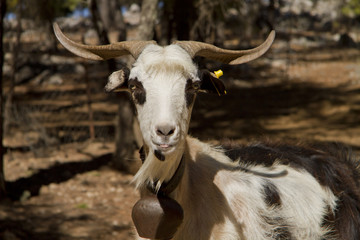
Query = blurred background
x=68 y=150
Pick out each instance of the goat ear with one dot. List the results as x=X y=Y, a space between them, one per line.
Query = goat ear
x=118 y=81
x=210 y=83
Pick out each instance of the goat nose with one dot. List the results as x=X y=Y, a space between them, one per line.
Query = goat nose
x=165 y=130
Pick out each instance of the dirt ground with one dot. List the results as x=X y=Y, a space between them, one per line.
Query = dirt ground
x=307 y=95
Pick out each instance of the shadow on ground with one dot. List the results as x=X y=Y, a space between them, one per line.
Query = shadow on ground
x=276 y=110
x=55 y=174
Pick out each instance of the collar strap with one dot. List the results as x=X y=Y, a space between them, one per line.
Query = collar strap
x=166 y=187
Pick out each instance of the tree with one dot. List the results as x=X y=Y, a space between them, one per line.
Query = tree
x=102 y=32
x=2 y=152
x=103 y=15
x=183 y=24
x=43 y=12
x=149 y=13
x=351 y=8
x=111 y=17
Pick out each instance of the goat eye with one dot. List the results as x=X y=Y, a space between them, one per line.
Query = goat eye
x=196 y=85
x=132 y=87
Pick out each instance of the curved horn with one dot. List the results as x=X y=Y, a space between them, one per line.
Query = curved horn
x=232 y=57
x=101 y=52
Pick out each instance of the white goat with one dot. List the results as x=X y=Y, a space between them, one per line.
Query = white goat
x=260 y=191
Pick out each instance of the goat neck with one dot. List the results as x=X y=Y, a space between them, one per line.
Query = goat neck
x=155 y=173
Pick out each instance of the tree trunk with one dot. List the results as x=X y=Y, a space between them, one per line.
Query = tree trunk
x=204 y=27
x=149 y=13
x=125 y=138
x=183 y=24
x=111 y=18
x=108 y=12
x=101 y=31
x=89 y=101
x=15 y=49
x=2 y=152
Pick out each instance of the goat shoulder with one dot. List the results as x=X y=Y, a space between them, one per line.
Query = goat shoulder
x=267 y=192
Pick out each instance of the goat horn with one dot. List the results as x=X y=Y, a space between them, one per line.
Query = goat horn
x=101 y=52
x=232 y=57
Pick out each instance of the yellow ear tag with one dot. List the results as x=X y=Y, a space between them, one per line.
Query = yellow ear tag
x=218 y=73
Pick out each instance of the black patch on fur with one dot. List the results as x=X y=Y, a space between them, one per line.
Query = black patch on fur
x=159 y=155
x=189 y=93
x=211 y=84
x=282 y=233
x=328 y=223
x=126 y=72
x=254 y=155
x=142 y=154
x=330 y=164
x=138 y=93
x=281 y=230
x=272 y=196
x=347 y=216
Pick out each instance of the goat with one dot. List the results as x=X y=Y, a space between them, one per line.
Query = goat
x=258 y=191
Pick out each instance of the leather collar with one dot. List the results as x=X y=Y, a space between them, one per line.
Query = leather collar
x=169 y=186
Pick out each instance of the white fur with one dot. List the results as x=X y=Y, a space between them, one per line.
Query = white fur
x=231 y=205
x=163 y=72
x=219 y=200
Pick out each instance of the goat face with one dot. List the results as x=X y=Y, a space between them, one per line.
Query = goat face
x=163 y=84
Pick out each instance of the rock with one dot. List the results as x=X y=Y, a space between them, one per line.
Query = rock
x=6 y=70
x=279 y=64
x=8 y=57
x=346 y=41
x=55 y=79
x=80 y=69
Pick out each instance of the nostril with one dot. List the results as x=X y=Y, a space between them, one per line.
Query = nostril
x=159 y=132
x=165 y=130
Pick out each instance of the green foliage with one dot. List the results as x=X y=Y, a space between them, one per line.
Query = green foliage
x=82 y=206
x=47 y=10
x=61 y=7
x=11 y=5
x=351 y=8
x=25 y=196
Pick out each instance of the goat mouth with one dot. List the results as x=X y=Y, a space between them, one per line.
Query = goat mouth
x=163 y=147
